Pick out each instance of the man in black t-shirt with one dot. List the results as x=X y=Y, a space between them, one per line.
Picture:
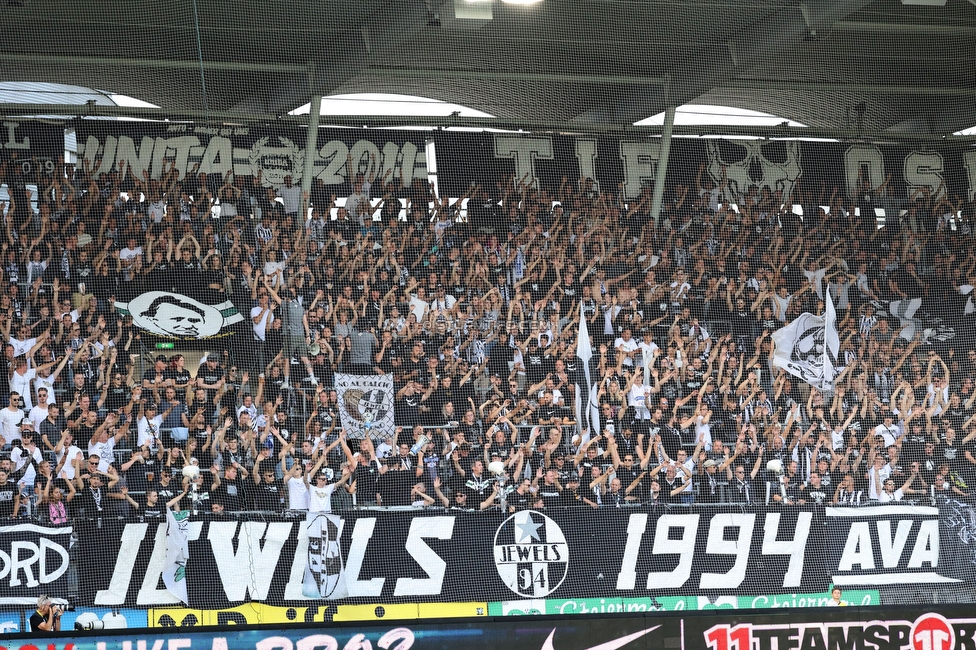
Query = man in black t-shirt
x=47 y=617
x=9 y=495
x=229 y=491
x=549 y=489
x=269 y=494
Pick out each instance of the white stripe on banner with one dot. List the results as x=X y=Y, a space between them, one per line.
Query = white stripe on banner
x=831 y=342
x=882 y=511
x=39 y=530
x=870 y=579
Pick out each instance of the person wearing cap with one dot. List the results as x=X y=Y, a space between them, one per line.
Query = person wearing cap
x=154 y=378
x=709 y=490
x=570 y=496
x=27 y=456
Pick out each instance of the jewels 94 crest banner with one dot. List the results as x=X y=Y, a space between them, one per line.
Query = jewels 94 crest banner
x=366 y=405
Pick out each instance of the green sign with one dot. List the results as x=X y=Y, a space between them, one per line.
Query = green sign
x=167 y=345
x=671 y=603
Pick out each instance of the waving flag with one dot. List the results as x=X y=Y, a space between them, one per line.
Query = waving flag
x=807 y=348
x=177 y=553
x=584 y=351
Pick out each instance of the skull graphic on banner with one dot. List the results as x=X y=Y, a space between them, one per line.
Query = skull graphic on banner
x=771 y=165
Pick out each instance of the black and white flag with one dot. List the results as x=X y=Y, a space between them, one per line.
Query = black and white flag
x=324 y=570
x=366 y=405
x=808 y=347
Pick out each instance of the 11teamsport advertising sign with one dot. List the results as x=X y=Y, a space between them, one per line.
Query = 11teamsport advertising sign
x=951 y=627
x=445 y=556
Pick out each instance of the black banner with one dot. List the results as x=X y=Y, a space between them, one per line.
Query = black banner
x=30 y=149
x=944 y=627
x=246 y=151
x=546 y=161
x=451 y=556
x=33 y=561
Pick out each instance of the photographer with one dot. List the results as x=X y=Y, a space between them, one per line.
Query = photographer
x=47 y=616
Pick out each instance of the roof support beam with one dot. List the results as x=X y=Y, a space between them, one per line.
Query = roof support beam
x=662 y=166
x=764 y=84
x=163 y=64
x=538 y=126
x=900 y=28
x=536 y=77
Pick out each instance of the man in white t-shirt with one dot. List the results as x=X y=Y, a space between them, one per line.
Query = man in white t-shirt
x=67 y=447
x=38 y=412
x=23 y=345
x=262 y=316
x=10 y=418
x=20 y=382
x=130 y=257
x=149 y=425
x=291 y=197
x=887 y=430
x=103 y=443
x=877 y=475
x=20 y=456
x=358 y=205
x=247 y=404
x=320 y=494
x=889 y=494
x=627 y=347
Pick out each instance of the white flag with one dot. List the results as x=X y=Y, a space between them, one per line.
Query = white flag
x=177 y=553
x=585 y=351
x=366 y=405
x=831 y=343
x=806 y=349
x=324 y=572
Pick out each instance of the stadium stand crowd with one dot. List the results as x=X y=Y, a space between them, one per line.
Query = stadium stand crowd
x=475 y=316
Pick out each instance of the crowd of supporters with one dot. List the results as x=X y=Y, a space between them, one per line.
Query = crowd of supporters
x=473 y=305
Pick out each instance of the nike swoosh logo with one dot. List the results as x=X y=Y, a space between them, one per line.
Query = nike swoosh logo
x=609 y=645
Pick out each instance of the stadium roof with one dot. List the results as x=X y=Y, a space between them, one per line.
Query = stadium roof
x=881 y=68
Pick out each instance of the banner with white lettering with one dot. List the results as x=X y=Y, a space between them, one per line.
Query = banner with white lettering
x=365 y=404
x=31 y=151
x=630 y=166
x=455 y=556
x=892 y=544
x=34 y=561
x=151 y=149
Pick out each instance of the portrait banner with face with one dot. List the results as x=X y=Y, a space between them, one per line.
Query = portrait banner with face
x=176 y=316
x=366 y=405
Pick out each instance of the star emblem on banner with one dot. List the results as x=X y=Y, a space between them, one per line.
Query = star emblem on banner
x=528 y=530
